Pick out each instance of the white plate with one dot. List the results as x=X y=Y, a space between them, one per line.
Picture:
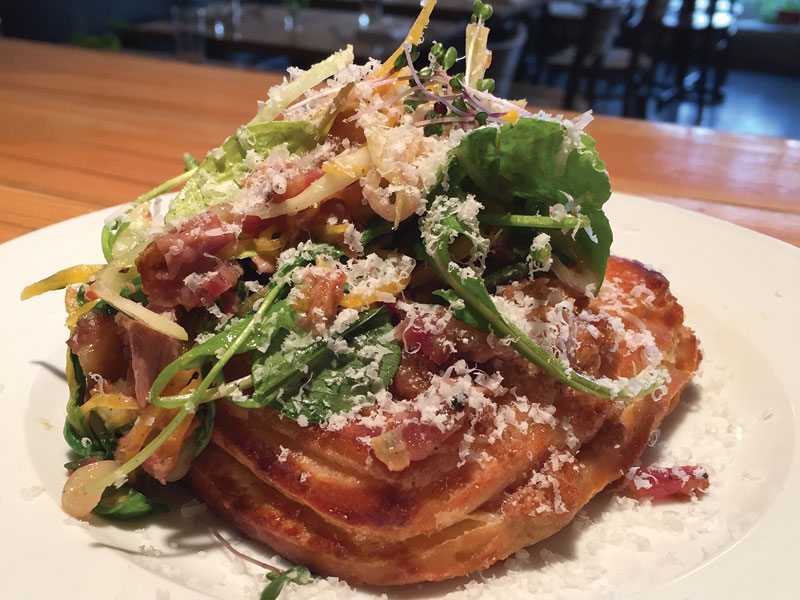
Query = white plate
x=741 y=292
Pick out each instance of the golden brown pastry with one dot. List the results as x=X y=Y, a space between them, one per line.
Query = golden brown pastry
x=325 y=498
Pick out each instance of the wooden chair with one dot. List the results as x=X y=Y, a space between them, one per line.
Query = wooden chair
x=593 y=52
x=506 y=54
x=700 y=37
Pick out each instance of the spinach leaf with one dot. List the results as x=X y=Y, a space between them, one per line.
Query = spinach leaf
x=125 y=504
x=441 y=226
x=530 y=166
x=224 y=170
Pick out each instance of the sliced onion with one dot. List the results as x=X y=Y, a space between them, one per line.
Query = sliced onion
x=138 y=312
x=76 y=500
x=581 y=281
x=340 y=172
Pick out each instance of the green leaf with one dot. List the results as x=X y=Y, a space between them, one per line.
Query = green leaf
x=471 y=289
x=189 y=162
x=223 y=171
x=461 y=312
x=530 y=166
x=350 y=379
x=257 y=327
x=298 y=575
x=125 y=504
x=336 y=382
x=206 y=428
x=505 y=274
x=77 y=432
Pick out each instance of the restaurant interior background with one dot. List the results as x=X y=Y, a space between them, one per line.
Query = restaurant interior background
x=722 y=64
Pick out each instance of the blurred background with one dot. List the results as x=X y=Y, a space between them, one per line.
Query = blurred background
x=723 y=64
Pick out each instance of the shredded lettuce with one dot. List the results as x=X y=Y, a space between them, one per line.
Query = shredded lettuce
x=282 y=95
x=224 y=170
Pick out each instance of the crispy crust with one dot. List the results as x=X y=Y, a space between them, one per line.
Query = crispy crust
x=328 y=506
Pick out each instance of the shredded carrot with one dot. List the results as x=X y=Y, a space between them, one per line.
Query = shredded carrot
x=361 y=300
x=102 y=400
x=413 y=37
x=57 y=281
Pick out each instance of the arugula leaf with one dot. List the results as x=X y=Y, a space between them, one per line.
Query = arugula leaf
x=125 y=504
x=206 y=429
x=505 y=274
x=461 y=312
x=77 y=432
x=337 y=382
x=350 y=378
x=224 y=169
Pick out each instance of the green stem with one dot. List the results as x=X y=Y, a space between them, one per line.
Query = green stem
x=194 y=400
x=534 y=221
x=521 y=342
x=222 y=391
x=166 y=186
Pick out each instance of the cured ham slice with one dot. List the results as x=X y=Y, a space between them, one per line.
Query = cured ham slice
x=180 y=268
x=149 y=352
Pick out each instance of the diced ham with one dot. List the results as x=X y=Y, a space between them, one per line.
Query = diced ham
x=148 y=351
x=180 y=268
x=659 y=483
x=99 y=349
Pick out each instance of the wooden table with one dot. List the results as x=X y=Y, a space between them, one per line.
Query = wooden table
x=82 y=130
x=321 y=32
x=445 y=9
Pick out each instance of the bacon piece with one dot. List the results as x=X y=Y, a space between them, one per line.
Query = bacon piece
x=318 y=299
x=659 y=483
x=298 y=183
x=98 y=346
x=410 y=440
x=180 y=268
x=149 y=352
x=413 y=376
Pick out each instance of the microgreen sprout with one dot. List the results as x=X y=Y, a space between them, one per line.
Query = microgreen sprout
x=481 y=11
x=485 y=85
